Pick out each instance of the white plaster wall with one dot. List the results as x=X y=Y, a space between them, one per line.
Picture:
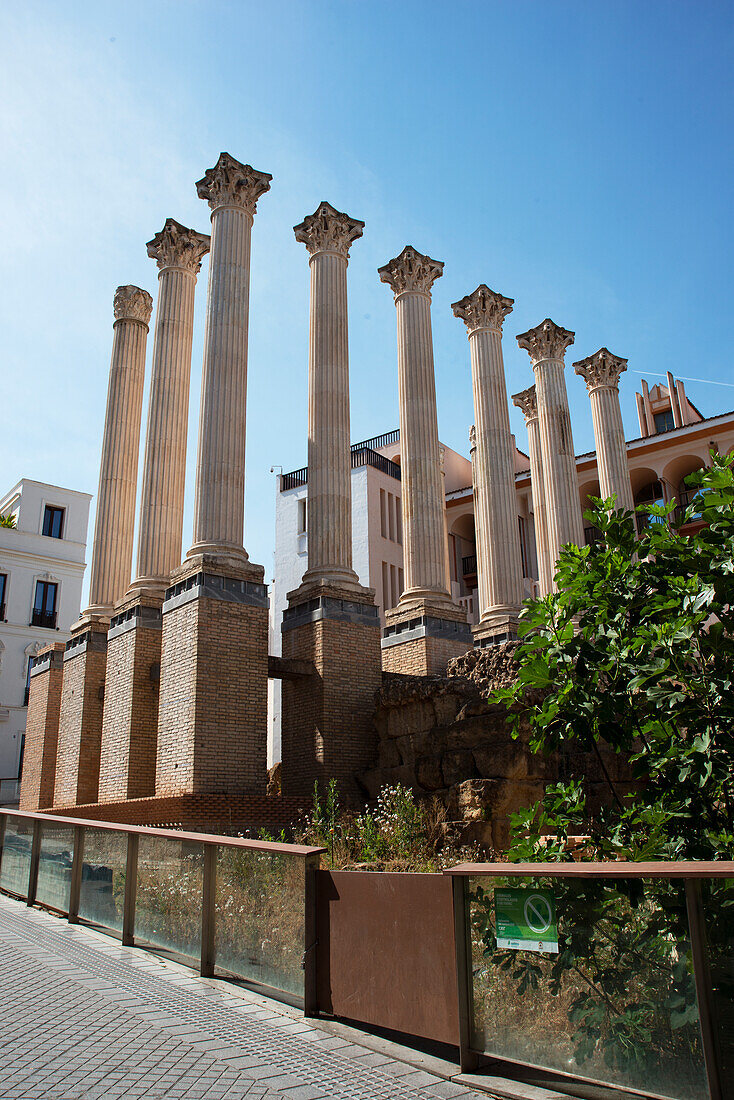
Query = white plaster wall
x=25 y=557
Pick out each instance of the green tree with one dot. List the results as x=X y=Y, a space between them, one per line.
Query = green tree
x=7 y=521
x=635 y=652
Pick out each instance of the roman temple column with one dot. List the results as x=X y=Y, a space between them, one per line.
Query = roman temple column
x=499 y=562
x=328 y=236
x=546 y=346
x=114 y=524
x=232 y=190
x=331 y=621
x=426 y=628
x=85 y=659
x=130 y=721
x=601 y=372
x=527 y=403
x=178 y=252
x=212 y=713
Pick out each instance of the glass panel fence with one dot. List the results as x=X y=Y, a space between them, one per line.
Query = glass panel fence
x=102 y=894
x=588 y=977
x=15 y=864
x=54 y=866
x=170 y=882
x=718 y=907
x=260 y=916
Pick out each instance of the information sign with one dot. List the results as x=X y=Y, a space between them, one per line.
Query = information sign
x=526 y=920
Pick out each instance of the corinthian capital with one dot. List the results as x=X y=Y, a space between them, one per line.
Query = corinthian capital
x=484 y=308
x=230 y=183
x=527 y=402
x=177 y=246
x=547 y=341
x=411 y=272
x=601 y=370
x=132 y=304
x=328 y=230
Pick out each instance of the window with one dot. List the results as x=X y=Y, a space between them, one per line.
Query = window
x=44 y=605
x=399 y=520
x=302 y=516
x=27 y=694
x=523 y=546
x=3 y=586
x=391 y=516
x=400 y=583
x=53 y=522
x=22 y=753
x=393 y=586
x=385 y=586
x=664 y=421
x=383 y=513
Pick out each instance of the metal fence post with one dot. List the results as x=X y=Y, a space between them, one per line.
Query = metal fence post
x=35 y=858
x=704 y=991
x=208 y=911
x=76 y=874
x=310 y=954
x=3 y=819
x=468 y=1060
x=131 y=889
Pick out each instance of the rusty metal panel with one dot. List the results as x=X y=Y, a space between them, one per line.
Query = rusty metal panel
x=385 y=953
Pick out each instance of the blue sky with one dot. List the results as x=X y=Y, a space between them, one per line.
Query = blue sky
x=574 y=156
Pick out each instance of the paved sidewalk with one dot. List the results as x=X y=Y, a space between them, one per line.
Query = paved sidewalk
x=82 y=1018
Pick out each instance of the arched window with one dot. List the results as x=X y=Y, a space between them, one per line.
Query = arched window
x=651 y=493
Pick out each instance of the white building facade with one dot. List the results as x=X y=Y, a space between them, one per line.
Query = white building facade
x=41 y=573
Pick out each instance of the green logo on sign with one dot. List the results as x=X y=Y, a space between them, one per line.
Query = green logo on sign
x=526 y=920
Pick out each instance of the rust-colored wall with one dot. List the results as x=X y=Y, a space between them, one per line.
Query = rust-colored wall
x=385 y=953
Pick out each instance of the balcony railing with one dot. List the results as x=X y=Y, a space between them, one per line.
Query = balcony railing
x=176 y=892
x=2 y=612
x=44 y=618
x=378 y=441
x=469 y=565
x=361 y=455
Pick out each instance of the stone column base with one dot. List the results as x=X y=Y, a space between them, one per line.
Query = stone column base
x=496 y=631
x=80 y=719
x=42 y=729
x=420 y=641
x=212 y=717
x=328 y=729
x=130 y=721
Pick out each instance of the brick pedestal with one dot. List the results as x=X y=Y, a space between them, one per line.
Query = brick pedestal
x=328 y=729
x=130 y=721
x=487 y=634
x=422 y=641
x=42 y=729
x=212 y=723
x=80 y=720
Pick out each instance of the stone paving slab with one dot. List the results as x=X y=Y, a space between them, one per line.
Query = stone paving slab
x=83 y=1018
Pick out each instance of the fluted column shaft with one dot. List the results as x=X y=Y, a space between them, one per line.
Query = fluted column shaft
x=611 y=451
x=179 y=253
x=563 y=514
x=219 y=501
x=495 y=505
x=601 y=372
x=115 y=516
x=527 y=402
x=329 y=466
x=422 y=499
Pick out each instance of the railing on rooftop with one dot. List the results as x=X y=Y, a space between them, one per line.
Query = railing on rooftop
x=613 y=974
x=361 y=455
x=378 y=441
x=232 y=907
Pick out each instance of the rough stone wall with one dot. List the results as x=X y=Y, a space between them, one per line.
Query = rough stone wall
x=440 y=737
x=328 y=728
x=41 y=732
x=130 y=720
x=212 y=730
x=80 y=728
x=421 y=656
